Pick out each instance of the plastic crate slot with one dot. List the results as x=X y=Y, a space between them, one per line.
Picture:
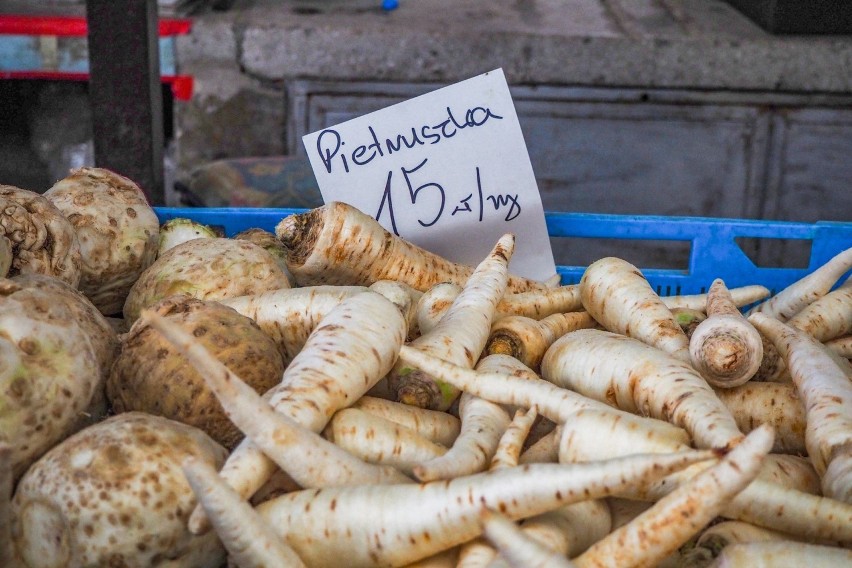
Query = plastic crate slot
x=767 y=252
x=644 y=253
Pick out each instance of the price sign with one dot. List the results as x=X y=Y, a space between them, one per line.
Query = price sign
x=448 y=171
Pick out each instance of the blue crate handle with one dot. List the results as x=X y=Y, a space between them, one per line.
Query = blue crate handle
x=714 y=252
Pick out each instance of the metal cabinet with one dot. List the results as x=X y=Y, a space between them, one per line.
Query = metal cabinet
x=713 y=154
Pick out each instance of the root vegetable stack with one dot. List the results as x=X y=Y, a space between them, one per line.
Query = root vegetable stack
x=328 y=394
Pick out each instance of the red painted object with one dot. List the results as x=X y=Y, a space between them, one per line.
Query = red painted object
x=72 y=26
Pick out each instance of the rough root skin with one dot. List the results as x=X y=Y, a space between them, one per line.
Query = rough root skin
x=299 y=233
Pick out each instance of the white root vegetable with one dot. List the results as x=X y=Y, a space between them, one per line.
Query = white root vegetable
x=826 y=393
x=409 y=522
x=841 y=346
x=776 y=404
x=792 y=299
x=377 y=440
x=509 y=365
x=622 y=511
x=742 y=296
x=440 y=427
x=716 y=537
x=772 y=368
x=618 y=296
x=527 y=339
x=725 y=348
x=827 y=317
x=289 y=315
x=782 y=553
x=582 y=435
x=353 y=347
x=802 y=515
x=309 y=459
x=404 y=296
x=482 y=425
x=248 y=540
x=791 y=472
x=517 y=548
x=434 y=303
x=512 y=441
x=461 y=334
x=535 y=304
x=674 y=519
x=338 y=244
x=555 y=403
x=445 y=559
x=179 y=230
x=544 y=450
x=538 y=304
x=568 y=530
x=633 y=376
x=766 y=504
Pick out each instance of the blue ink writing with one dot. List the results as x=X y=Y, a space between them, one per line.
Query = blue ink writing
x=330 y=143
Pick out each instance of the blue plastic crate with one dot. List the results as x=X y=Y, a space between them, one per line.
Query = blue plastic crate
x=714 y=252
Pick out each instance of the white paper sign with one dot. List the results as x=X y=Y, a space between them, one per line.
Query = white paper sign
x=448 y=171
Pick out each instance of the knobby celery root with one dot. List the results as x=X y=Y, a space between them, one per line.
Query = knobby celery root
x=6 y=256
x=440 y=427
x=304 y=455
x=827 y=317
x=526 y=339
x=461 y=334
x=515 y=546
x=338 y=244
x=782 y=553
x=674 y=519
x=792 y=299
x=415 y=521
x=776 y=404
x=248 y=540
x=348 y=352
x=742 y=296
x=633 y=376
x=482 y=425
x=377 y=440
x=618 y=297
x=725 y=348
x=826 y=393
x=512 y=441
